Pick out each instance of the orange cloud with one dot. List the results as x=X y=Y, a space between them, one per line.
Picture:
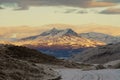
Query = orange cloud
x=101 y=4
x=111 y=11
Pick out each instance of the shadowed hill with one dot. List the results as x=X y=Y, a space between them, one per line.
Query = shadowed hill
x=34 y=56
x=102 y=54
x=15 y=66
x=27 y=54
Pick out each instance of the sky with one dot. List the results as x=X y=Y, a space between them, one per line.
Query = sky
x=74 y=12
x=24 y=18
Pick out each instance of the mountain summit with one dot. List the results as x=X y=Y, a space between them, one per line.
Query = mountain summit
x=69 y=32
x=53 y=33
x=58 y=33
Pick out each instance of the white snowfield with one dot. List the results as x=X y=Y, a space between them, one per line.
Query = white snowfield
x=77 y=74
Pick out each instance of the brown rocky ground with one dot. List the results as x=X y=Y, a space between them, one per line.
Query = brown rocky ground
x=14 y=65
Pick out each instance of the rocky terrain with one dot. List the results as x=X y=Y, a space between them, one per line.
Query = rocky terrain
x=34 y=56
x=16 y=67
x=27 y=54
x=99 y=55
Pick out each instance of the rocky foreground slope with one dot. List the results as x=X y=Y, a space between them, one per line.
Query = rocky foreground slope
x=23 y=53
x=15 y=67
x=99 y=55
x=34 y=56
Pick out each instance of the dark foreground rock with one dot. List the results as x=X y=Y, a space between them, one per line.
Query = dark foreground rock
x=13 y=69
x=16 y=67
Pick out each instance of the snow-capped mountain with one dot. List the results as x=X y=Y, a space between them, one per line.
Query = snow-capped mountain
x=53 y=33
x=101 y=37
x=57 y=33
x=60 y=43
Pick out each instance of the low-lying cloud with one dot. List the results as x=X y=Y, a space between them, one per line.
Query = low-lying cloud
x=1 y=8
x=111 y=11
x=70 y=10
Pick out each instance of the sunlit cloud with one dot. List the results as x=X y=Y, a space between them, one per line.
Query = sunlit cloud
x=111 y=11
x=113 y=1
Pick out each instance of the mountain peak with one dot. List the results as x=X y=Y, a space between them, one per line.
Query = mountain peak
x=53 y=29
x=70 y=32
x=51 y=32
x=69 y=29
x=56 y=32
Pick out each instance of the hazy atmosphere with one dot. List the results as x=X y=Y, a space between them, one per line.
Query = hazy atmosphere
x=59 y=39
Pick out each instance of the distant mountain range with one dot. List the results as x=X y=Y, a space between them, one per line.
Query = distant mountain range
x=60 y=43
x=63 y=43
x=99 y=55
x=101 y=37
